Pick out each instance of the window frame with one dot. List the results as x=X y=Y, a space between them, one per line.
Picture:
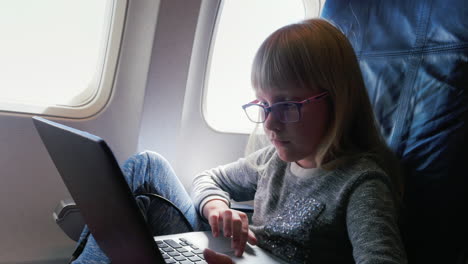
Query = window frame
x=103 y=83
x=312 y=8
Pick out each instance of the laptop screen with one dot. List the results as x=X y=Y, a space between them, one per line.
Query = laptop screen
x=96 y=183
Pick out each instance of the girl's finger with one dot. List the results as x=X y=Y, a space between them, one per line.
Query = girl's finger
x=237 y=235
x=213 y=220
x=216 y=258
x=251 y=238
x=227 y=223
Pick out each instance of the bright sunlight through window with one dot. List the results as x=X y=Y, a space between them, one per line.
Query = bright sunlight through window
x=241 y=27
x=52 y=52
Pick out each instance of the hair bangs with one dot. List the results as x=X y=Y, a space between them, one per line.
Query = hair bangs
x=280 y=63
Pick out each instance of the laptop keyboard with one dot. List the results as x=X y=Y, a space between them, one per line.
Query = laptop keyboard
x=181 y=251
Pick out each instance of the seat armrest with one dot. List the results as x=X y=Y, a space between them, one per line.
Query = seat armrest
x=68 y=217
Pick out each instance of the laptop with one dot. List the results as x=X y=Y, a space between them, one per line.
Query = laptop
x=95 y=181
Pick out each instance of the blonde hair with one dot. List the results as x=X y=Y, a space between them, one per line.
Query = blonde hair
x=314 y=54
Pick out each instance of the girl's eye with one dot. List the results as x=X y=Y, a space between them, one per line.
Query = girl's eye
x=264 y=103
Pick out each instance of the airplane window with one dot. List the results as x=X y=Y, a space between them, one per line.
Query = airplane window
x=54 y=54
x=241 y=27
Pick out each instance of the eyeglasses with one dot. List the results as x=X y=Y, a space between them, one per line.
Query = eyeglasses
x=286 y=112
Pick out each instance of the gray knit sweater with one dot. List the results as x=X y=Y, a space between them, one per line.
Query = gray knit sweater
x=311 y=215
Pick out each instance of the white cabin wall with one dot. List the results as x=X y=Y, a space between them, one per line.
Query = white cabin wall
x=167 y=77
x=172 y=121
x=31 y=186
x=199 y=146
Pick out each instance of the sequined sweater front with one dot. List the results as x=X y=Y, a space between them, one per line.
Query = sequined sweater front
x=347 y=215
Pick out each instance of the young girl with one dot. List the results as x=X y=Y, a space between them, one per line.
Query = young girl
x=325 y=191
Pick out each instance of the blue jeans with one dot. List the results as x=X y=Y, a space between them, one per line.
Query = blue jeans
x=149 y=172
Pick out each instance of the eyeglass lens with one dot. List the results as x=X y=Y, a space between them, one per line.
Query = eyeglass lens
x=285 y=112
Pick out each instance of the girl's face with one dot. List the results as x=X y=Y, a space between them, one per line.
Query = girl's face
x=297 y=141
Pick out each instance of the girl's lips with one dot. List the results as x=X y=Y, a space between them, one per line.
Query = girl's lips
x=280 y=142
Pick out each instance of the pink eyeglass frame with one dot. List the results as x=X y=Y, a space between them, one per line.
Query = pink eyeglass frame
x=299 y=105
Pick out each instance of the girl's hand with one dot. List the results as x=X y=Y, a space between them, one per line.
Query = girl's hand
x=234 y=224
x=216 y=258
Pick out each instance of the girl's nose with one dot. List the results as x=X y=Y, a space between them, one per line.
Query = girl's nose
x=272 y=122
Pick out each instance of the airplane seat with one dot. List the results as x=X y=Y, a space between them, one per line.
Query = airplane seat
x=414 y=60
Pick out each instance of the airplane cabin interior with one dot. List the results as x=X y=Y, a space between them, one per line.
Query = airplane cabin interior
x=158 y=66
